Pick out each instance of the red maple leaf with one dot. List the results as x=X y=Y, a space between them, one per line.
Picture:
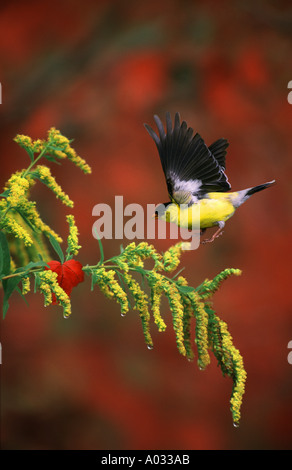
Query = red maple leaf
x=70 y=274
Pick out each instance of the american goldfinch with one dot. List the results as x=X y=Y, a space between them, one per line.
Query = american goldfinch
x=195 y=175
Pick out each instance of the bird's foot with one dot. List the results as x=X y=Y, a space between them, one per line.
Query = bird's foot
x=211 y=239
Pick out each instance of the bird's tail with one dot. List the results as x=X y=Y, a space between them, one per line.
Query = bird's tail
x=260 y=187
x=243 y=195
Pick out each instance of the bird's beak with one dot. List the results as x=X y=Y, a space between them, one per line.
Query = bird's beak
x=154 y=216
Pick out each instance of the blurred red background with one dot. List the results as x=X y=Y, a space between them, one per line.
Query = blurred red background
x=97 y=71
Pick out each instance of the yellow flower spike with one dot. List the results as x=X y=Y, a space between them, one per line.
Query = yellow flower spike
x=155 y=306
x=202 y=320
x=111 y=288
x=49 y=278
x=171 y=257
x=187 y=318
x=72 y=241
x=136 y=255
x=44 y=174
x=230 y=361
x=65 y=150
x=120 y=296
x=238 y=372
x=101 y=277
x=141 y=304
x=45 y=289
x=28 y=210
x=25 y=285
x=145 y=251
x=208 y=288
x=155 y=280
x=178 y=313
x=176 y=307
x=9 y=225
x=78 y=161
x=18 y=188
x=38 y=145
x=24 y=141
x=122 y=264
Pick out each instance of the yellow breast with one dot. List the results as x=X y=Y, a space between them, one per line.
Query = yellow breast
x=205 y=213
x=217 y=207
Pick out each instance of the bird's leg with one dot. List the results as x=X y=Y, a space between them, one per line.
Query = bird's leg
x=216 y=234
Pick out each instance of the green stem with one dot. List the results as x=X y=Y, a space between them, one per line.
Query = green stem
x=117 y=268
x=6 y=210
x=36 y=160
x=20 y=273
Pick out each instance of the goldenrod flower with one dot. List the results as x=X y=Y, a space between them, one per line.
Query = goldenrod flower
x=72 y=241
x=25 y=285
x=65 y=150
x=45 y=289
x=187 y=319
x=201 y=339
x=156 y=294
x=136 y=255
x=18 y=187
x=9 y=225
x=78 y=161
x=110 y=287
x=239 y=386
x=38 y=145
x=159 y=284
x=208 y=288
x=44 y=174
x=176 y=307
x=28 y=210
x=122 y=264
x=156 y=282
x=236 y=371
x=50 y=283
x=171 y=257
x=23 y=141
x=141 y=304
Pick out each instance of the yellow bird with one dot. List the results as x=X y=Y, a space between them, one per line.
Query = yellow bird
x=195 y=175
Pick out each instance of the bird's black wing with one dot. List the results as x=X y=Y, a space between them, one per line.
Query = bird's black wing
x=191 y=168
x=219 y=150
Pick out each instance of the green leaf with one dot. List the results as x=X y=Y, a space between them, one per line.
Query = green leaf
x=30 y=153
x=9 y=285
x=34 y=264
x=178 y=273
x=37 y=282
x=4 y=256
x=21 y=294
x=57 y=247
x=27 y=221
x=186 y=289
x=100 y=247
x=5 y=193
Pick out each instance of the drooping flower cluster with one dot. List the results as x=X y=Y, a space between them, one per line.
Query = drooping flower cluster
x=116 y=280
x=72 y=240
x=43 y=173
x=60 y=147
x=53 y=292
